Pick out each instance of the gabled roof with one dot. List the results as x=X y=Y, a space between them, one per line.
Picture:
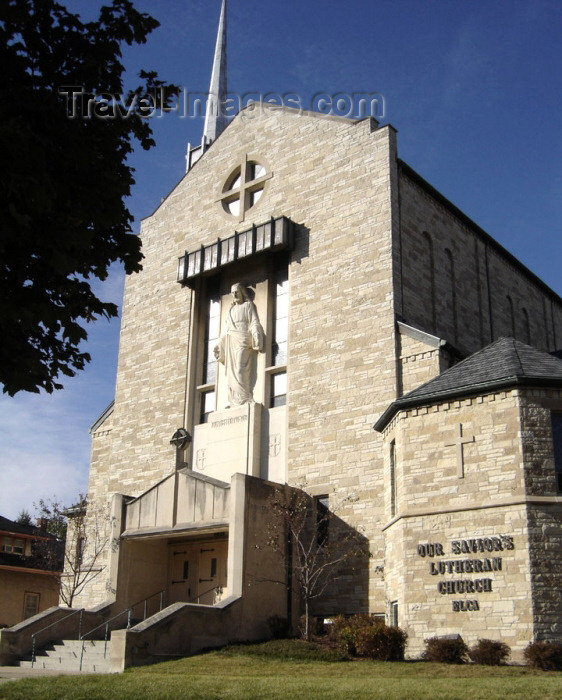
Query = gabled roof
x=504 y=364
x=101 y=419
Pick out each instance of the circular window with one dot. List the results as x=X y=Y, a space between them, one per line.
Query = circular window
x=244 y=188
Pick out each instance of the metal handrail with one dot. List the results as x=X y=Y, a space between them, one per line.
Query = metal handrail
x=33 y=640
x=200 y=595
x=115 y=617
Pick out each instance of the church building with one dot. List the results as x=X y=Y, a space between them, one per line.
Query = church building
x=313 y=315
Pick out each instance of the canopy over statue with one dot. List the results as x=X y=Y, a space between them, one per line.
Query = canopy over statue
x=240 y=341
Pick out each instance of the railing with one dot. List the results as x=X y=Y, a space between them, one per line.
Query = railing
x=34 y=635
x=216 y=589
x=128 y=611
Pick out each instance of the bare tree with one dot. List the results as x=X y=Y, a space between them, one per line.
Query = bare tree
x=317 y=546
x=81 y=532
x=86 y=543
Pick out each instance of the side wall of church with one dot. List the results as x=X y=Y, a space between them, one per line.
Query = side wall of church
x=545 y=512
x=458 y=286
x=101 y=455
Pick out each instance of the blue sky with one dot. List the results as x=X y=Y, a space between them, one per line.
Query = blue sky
x=472 y=87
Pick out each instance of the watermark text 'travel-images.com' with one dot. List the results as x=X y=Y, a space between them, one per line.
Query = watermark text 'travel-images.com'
x=85 y=105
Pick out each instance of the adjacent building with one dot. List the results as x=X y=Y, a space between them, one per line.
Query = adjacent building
x=28 y=584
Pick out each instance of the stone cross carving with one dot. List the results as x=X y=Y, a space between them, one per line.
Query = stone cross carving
x=242 y=338
x=459 y=442
x=180 y=440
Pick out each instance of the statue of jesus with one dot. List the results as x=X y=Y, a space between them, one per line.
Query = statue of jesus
x=241 y=339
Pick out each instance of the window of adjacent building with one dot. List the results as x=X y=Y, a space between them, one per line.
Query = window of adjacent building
x=30 y=605
x=322 y=508
x=393 y=478
x=557 y=448
x=11 y=545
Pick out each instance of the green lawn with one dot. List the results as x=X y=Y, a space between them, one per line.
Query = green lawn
x=291 y=670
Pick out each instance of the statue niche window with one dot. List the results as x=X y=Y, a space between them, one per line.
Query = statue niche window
x=280 y=329
x=216 y=351
x=244 y=188
x=209 y=373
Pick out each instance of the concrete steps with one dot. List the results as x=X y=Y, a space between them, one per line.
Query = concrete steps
x=65 y=656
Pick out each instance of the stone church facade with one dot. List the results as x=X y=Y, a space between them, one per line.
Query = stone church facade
x=369 y=286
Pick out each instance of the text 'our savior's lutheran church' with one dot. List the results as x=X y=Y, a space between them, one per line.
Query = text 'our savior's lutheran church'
x=323 y=289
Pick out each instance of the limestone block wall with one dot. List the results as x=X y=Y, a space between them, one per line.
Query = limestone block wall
x=464 y=572
x=91 y=584
x=456 y=283
x=545 y=510
x=419 y=360
x=98 y=521
x=100 y=456
x=341 y=364
x=545 y=548
x=457 y=549
x=336 y=179
x=427 y=474
x=418 y=363
x=536 y=408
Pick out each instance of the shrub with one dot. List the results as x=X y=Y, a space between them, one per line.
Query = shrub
x=344 y=631
x=489 y=652
x=278 y=627
x=446 y=650
x=381 y=642
x=363 y=635
x=544 y=655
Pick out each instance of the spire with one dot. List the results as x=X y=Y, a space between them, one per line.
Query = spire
x=215 y=119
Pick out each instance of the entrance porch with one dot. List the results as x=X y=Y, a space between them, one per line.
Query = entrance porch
x=194 y=552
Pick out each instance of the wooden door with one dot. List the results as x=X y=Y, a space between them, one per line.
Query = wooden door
x=182 y=573
x=212 y=572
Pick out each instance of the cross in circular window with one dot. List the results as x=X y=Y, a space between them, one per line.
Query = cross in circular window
x=243 y=188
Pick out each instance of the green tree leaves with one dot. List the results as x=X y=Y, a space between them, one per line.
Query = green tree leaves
x=64 y=180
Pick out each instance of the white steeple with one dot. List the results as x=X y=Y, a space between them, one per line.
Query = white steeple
x=215 y=117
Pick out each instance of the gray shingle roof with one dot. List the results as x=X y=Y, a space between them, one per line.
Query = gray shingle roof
x=505 y=363
x=8 y=525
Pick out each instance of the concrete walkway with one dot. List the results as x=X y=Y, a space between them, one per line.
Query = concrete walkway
x=14 y=673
